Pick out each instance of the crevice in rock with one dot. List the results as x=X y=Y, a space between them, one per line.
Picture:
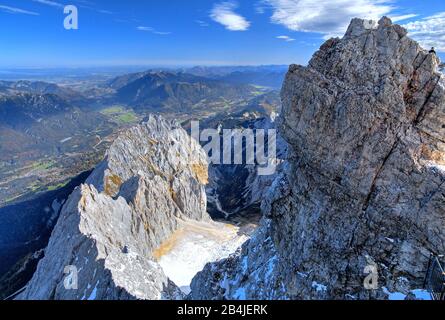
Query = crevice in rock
x=377 y=175
x=423 y=110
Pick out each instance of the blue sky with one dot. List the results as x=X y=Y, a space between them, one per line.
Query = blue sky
x=194 y=32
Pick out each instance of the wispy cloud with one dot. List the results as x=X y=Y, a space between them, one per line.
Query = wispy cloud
x=83 y=4
x=260 y=7
x=141 y=28
x=429 y=31
x=286 y=38
x=398 y=18
x=152 y=30
x=86 y=2
x=202 y=23
x=327 y=17
x=15 y=10
x=104 y=11
x=224 y=13
x=50 y=3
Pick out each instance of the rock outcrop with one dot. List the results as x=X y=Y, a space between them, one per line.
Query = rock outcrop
x=365 y=185
x=153 y=176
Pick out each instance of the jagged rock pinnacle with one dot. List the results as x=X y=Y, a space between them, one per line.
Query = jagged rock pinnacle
x=366 y=181
x=110 y=226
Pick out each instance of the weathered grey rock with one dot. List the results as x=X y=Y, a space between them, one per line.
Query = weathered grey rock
x=153 y=175
x=366 y=183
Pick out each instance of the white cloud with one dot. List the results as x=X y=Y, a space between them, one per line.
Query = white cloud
x=286 y=38
x=14 y=10
x=224 y=13
x=152 y=30
x=429 y=31
x=328 y=17
x=50 y=3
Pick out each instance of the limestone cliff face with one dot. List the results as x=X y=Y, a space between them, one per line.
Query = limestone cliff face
x=365 y=185
x=153 y=175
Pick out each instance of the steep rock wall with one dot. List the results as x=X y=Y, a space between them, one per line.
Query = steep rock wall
x=365 y=185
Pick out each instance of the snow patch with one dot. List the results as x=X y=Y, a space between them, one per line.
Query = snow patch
x=93 y=294
x=66 y=140
x=394 y=295
x=390 y=240
x=240 y=294
x=420 y=294
x=194 y=245
x=271 y=266
x=319 y=287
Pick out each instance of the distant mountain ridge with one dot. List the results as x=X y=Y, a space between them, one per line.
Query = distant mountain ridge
x=273 y=79
x=25 y=108
x=175 y=91
x=220 y=71
x=269 y=76
x=38 y=87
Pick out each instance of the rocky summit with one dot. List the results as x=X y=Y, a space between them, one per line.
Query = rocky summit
x=152 y=177
x=364 y=188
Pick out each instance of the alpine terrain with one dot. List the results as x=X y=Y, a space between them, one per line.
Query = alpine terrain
x=354 y=210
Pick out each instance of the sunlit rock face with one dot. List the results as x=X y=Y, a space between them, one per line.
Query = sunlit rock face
x=153 y=176
x=365 y=184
